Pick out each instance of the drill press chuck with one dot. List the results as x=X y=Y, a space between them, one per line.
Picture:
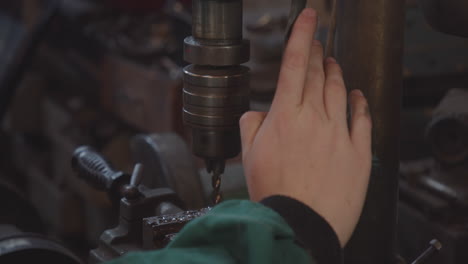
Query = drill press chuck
x=214 y=101
x=216 y=86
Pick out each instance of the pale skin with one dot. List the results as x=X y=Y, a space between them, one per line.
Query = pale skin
x=304 y=147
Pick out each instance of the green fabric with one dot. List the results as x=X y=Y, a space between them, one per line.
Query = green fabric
x=233 y=232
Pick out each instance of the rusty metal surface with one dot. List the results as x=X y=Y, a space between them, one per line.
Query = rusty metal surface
x=370 y=48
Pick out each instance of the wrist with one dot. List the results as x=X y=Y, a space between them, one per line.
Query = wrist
x=312 y=231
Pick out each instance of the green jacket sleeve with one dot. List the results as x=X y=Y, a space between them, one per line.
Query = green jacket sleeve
x=233 y=232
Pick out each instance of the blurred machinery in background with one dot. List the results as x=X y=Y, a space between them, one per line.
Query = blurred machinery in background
x=434 y=167
x=112 y=75
x=433 y=190
x=100 y=75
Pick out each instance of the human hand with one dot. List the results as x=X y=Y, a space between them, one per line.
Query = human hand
x=303 y=148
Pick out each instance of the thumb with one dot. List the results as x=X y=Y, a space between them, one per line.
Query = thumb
x=250 y=123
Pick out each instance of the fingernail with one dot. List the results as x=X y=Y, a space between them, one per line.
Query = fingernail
x=316 y=42
x=309 y=12
x=358 y=92
x=331 y=60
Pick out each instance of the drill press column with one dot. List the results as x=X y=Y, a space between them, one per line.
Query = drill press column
x=216 y=86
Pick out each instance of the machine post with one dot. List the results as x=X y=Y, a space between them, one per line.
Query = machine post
x=369 y=47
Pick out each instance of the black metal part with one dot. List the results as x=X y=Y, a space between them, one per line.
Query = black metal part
x=18 y=211
x=98 y=172
x=447 y=16
x=168 y=163
x=369 y=47
x=296 y=8
x=422 y=224
x=139 y=201
x=19 y=247
x=435 y=246
x=128 y=235
x=131 y=191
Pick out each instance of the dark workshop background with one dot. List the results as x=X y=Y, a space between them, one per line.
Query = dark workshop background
x=111 y=78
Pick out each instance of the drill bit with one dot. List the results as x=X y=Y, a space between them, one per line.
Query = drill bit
x=216 y=168
x=216 y=183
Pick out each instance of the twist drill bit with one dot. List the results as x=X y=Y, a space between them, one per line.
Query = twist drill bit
x=216 y=168
x=216 y=183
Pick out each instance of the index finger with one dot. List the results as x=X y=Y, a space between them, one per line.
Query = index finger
x=292 y=76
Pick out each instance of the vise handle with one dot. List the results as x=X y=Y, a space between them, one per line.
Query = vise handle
x=98 y=172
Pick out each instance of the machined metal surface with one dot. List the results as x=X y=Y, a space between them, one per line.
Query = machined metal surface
x=216 y=97
x=214 y=101
x=369 y=47
x=216 y=55
x=217 y=34
x=217 y=78
x=217 y=20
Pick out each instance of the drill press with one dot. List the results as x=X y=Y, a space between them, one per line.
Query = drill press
x=216 y=86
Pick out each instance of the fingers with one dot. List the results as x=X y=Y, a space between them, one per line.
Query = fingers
x=361 y=124
x=295 y=61
x=335 y=92
x=250 y=122
x=313 y=91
